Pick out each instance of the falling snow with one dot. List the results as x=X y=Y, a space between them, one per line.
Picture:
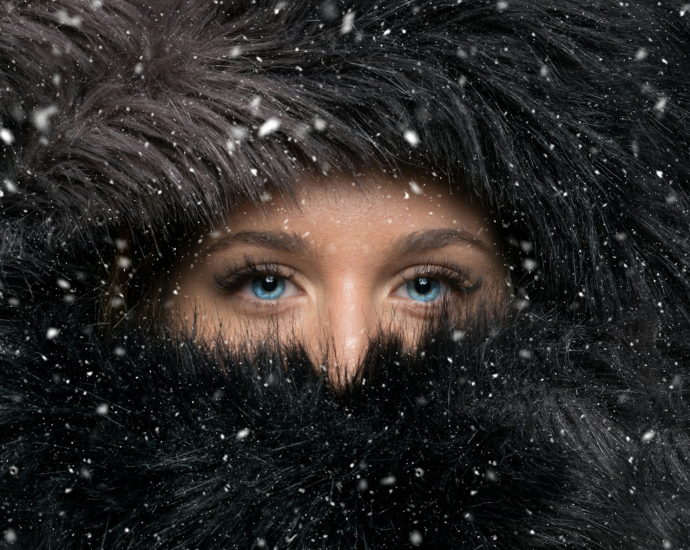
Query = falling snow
x=416 y=188
x=6 y=136
x=123 y=262
x=65 y=19
x=268 y=127
x=348 y=23
x=411 y=137
x=41 y=117
x=648 y=436
x=388 y=480
x=458 y=335
x=529 y=264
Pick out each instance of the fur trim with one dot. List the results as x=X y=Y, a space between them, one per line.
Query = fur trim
x=566 y=117
x=566 y=427
x=541 y=436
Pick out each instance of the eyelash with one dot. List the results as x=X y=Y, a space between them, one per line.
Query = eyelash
x=454 y=275
x=235 y=276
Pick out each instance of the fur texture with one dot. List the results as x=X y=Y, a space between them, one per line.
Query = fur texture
x=543 y=436
x=564 y=427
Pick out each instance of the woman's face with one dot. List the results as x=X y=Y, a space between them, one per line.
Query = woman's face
x=337 y=264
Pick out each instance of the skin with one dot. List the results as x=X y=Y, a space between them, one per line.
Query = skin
x=354 y=255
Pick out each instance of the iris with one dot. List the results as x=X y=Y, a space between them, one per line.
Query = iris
x=268 y=287
x=424 y=289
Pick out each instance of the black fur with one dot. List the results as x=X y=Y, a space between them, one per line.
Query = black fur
x=564 y=427
x=544 y=435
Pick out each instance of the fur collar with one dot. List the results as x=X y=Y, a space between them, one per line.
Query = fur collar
x=537 y=434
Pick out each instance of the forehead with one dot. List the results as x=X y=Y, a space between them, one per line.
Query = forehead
x=369 y=201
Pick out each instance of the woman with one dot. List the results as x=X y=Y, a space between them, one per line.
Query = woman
x=346 y=258
x=213 y=337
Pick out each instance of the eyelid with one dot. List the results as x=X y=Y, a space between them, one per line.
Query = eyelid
x=454 y=275
x=234 y=276
x=290 y=290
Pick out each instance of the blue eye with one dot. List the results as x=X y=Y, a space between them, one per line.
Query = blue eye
x=268 y=287
x=423 y=289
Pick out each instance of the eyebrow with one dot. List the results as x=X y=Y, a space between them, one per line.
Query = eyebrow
x=431 y=239
x=418 y=241
x=275 y=240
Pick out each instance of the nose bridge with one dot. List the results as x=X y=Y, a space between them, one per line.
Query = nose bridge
x=350 y=314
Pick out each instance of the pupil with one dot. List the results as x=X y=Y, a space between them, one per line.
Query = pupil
x=269 y=283
x=422 y=285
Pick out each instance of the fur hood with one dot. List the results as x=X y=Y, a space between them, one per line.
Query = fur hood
x=565 y=426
